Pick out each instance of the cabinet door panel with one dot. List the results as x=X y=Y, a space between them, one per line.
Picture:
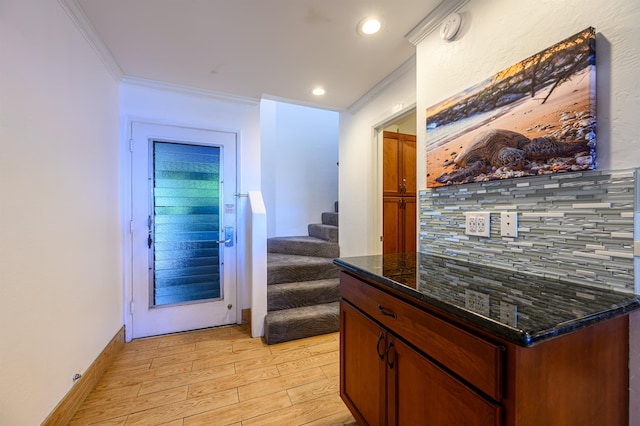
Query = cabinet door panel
x=362 y=378
x=391 y=232
x=409 y=165
x=391 y=172
x=423 y=394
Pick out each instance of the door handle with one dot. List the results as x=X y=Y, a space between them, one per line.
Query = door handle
x=380 y=339
x=228 y=237
x=391 y=362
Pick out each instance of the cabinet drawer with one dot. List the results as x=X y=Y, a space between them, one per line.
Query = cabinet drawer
x=474 y=359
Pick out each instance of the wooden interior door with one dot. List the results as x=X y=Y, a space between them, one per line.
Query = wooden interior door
x=399 y=193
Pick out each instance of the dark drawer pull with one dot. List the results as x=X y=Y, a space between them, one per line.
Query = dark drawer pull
x=387 y=312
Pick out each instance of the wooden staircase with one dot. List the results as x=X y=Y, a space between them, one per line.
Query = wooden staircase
x=302 y=283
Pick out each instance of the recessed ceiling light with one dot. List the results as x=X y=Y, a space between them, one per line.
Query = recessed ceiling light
x=318 y=91
x=369 y=26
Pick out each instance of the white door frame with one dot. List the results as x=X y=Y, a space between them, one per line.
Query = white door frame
x=126 y=169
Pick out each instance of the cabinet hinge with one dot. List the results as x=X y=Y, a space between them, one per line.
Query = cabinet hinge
x=131 y=226
x=131 y=306
x=131 y=145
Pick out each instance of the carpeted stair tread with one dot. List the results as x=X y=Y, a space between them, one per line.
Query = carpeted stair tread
x=283 y=268
x=325 y=232
x=305 y=293
x=298 y=323
x=303 y=246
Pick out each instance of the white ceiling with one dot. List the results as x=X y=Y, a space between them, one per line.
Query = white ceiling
x=277 y=49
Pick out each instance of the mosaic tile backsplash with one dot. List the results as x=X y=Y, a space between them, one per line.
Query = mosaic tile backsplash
x=574 y=226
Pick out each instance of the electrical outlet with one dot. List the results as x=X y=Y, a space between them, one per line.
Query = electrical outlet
x=471 y=224
x=476 y=302
x=478 y=223
x=509 y=224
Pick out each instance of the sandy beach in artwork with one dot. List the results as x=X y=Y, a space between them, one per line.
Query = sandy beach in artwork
x=529 y=117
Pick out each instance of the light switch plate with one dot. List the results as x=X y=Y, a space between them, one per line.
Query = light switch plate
x=509 y=224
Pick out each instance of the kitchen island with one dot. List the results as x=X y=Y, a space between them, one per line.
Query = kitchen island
x=441 y=341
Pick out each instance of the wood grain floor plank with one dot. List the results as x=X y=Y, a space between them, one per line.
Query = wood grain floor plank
x=127 y=406
x=343 y=418
x=331 y=370
x=215 y=353
x=299 y=414
x=312 y=361
x=278 y=384
x=241 y=411
x=115 y=381
x=314 y=390
x=110 y=395
x=232 y=381
x=178 y=410
x=324 y=347
x=271 y=359
x=302 y=343
x=186 y=378
x=219 y=376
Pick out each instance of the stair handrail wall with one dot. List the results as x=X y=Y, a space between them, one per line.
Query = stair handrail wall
x=256 y=220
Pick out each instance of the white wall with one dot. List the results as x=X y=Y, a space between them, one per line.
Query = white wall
x=167 y=104
x=360 y=165
x=299 y=165
x=60 y=233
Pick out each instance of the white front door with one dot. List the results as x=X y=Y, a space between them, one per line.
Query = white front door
x=183 y=219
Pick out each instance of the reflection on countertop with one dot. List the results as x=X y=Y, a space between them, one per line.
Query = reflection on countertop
x=519 y=307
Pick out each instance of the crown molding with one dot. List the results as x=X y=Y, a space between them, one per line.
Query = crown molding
x=188 y=90
x=432 y=21
x=383 y=84
x=90 y=34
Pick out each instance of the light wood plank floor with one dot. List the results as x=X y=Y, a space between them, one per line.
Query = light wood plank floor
x=220 y=376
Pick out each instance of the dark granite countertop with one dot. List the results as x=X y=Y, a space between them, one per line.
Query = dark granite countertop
x=523 y=308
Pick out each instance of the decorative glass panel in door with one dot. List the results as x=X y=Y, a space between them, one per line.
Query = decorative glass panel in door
x=186 y=224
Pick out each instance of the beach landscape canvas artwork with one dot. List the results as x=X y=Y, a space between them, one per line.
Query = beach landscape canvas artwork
x=535 y=117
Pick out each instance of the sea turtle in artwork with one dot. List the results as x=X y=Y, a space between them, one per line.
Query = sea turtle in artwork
x=505 y=148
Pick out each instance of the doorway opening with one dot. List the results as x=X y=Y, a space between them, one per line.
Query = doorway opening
x=399 y=177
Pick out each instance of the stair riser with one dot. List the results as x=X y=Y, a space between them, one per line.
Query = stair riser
x=300 y=327
x=330 y=218
x=301 y=295
x=289 y=274
x=325 y=232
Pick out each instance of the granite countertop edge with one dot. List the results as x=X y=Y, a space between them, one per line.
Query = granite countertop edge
x=514 y=335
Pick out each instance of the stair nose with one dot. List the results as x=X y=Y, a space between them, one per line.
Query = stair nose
x=303 y=246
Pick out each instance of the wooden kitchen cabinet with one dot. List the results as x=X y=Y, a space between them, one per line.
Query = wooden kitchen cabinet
x=403 y=364
x=385 y=382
